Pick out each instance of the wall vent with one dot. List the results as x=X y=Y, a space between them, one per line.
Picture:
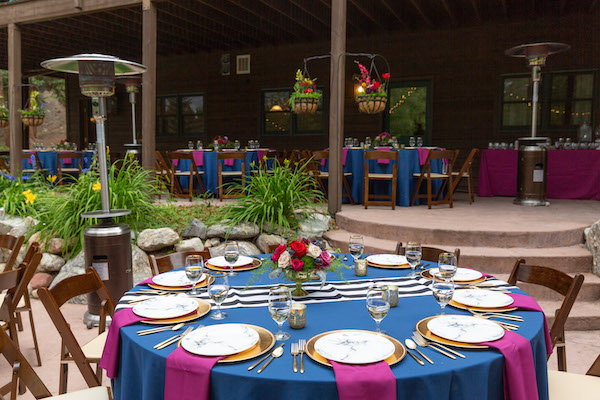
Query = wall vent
x=243 y=64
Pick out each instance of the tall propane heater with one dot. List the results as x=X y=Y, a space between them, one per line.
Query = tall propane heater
x=132 y=85
x=533 y=155
x=107 y=245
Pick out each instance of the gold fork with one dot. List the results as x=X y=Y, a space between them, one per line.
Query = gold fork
x=516 y=318
x=295 y=353
x=302 y=349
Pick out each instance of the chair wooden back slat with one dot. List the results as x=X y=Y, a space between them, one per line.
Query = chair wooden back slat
x=466 y=171
x=194 y=173
x=381 y=154
x=38 y=164
x=227 y=155
x=426 y=174
x=230 y=155
x=30 y=264
x=4 y=167
x=428 y=253
x=392 y=178
x=595 y=368
x=12 y=244
x=9 y=281
x=169 y=262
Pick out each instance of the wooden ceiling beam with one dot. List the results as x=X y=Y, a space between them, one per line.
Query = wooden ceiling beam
x=594 y=3
x=394 y=13
x=251 y=10
x=449 y=11
x=278 y=9
x=421 y=13
x=364 y=12
x=311 y=12
x=476 y=10
x=504 y=9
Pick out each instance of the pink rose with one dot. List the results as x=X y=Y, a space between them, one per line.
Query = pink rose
x=284 y=260
x=325 y=258
x=297 y=264
x=280 y=249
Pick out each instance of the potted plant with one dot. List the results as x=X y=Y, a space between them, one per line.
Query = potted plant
x=372 y=95
x=3 y=116
x=305 y=98
x=34 y=114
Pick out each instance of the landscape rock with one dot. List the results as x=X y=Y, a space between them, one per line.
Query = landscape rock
x=40 y=279
x=593 y=244
x=7 y=223
x=241 y=231
x=50 y=263
x=246 y=249
x=194 y=244
x=140 y=265
x=156 y=239
x=314 y=227
x=264 y=240
x=196 y=228
x=56 y=246
x=75 y=266
x=18 y=231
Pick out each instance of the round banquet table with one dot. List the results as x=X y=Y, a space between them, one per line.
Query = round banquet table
x=479 y=376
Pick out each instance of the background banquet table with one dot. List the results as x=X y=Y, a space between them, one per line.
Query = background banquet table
x=572 y=174
x=479 y=376
x=48 y=160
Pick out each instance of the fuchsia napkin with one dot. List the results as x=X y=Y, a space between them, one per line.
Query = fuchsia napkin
x=528 y=303
x=519 y=370
x=198 y=157
x=365 y=382
x=187 y=376
x=110 y=355
x=423 y=153
x=384 y=160
x=260 y=154
x=344 y=157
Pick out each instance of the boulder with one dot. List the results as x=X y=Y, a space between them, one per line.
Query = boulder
x=50 y=263
x=264 y=240
x=40 y=279
x=212 y=242
x=156 y=239
x=194 y=244
x=592 y=242
x=7 y=223
x=246 y=249
x=56 y=246
x=75 y=266
x=196 y=228
x=314 y=227
x=241 y=231
x=140 y=265
x=18 y=231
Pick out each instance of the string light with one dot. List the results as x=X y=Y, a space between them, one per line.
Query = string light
x=404 y=98
x=275 y=125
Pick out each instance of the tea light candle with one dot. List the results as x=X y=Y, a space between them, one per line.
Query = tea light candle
x=360 y=267
x=392 y=295
x=297 y=318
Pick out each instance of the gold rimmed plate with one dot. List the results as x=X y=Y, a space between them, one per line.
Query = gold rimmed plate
x=209 y=279
x=202 y=310
x=461 y=306
x=401 y=266
x=399 y=352
x=427 y=275
x=424 y=330
x=255 y=264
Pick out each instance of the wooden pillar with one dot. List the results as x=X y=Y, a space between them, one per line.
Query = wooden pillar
x=336 y=113
x=15 y=97
x=149 y=83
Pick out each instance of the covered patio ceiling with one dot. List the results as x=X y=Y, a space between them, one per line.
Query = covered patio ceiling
x=191 y=26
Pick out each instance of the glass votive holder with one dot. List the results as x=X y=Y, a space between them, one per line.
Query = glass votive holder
x=297 y=319
x=360 y=267
x=392 y=295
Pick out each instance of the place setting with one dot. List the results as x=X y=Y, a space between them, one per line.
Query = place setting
x=232 y=261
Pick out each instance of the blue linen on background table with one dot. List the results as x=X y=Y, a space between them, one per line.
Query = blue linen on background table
x=48 y=160
x=479 y=376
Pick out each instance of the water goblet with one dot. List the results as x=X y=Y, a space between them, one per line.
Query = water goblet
x=280 y=307
x=443 y=291
x=447 y=265
x=411 y=141
x=237 y=145
x=378 y=304
x=419 y=141
x=356 y=246
x=217 y=291
x=413 y=255
x=194 y=266
x=231 y=253
x=191 y=145
x=198 y=144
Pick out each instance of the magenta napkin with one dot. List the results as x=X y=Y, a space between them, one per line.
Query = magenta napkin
x=423 y=153
x=344 y=157
x=519 y=370
x=365 y=382
x=198 y=157
x=260 y=154
x=187 y=376
x=383 y=160
x=110 y=355
x=229 y=161
x=149 y=280
x=528 y=303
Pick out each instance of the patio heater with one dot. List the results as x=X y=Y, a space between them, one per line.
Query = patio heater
x=107 y=245
x=132 y=85
x=533 y=154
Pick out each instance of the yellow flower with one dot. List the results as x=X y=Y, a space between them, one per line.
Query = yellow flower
x=264 y=158
x=51 y=178
x=18 y=183
x=286 y=162
x=96 y=186
x=29 y=197
x=363 y=84
x=310 y=82
x=252 y=164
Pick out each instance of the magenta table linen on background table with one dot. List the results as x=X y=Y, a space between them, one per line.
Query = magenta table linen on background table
x=187 y=376
x=365 y=382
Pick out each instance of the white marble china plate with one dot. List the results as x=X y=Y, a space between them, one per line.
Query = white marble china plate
x=354 y=347
x=482 y=298
x=387 y=259
x=220 y=340
x=462 y=274
x=466 y=329
x=174 y=279
x=220 y=262
x=163 y=307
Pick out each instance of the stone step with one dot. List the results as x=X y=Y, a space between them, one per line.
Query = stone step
x=584 y=316
x=590 y=290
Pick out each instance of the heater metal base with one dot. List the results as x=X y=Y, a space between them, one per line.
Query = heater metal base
x=531 y=202
x=93 y=320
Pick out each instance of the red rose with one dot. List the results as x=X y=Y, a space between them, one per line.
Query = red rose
x=305 y=241
x=376 y=85
x=299 y=248
x=275 y=257
x=386 y=75
x=297 y=264
x=280 y=249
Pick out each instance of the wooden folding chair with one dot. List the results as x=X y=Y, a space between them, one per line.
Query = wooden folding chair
x=163 y=174
x=560 y=283
x=323 y=176
x=567 y=386
x=391 y=178
x=13 y=245
x=428 y=253
x=76 y=159
x=71 y=351
x=450 y=156
x=465 y=171
x=263 y=162
x=35 y=163
x=230 y=155
x=174 y=260
x=23 y=372
x=192 y=174
x=4 y=167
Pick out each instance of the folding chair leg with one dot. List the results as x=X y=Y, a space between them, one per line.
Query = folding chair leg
x=416 y=192
x=469 y=187
x=561 y=353
x=19 y=322
x=98 y=373
x=366 y=194
x=34 y=335
x=429 y=194
x=62 y=379
x=439 y=193
x=348 y=192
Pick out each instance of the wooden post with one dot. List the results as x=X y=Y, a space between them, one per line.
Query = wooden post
x=336 y=114
x=15 y=97
x=148 y=83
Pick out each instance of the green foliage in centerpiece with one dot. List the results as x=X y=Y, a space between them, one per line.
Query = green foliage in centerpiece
x=3 y=111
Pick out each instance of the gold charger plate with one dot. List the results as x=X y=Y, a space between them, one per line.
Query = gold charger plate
x=424 y=330
x=395 y=358
x=255 y=264
x=427 y=275
x=202 y=310
x=266 y=341
x=401 y=266
x=461 y=306
x=203 y=283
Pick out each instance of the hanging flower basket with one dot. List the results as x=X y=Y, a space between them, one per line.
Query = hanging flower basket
x=371 y=104
x=3 y=122
x=305 y=97
x=306 y=105
x=372 y=94
x=32 y=120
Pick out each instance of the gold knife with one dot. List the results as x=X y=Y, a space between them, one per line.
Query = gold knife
x=264 y=358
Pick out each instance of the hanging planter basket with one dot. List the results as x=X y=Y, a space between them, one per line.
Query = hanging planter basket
x=32 y=120
x=371 y=104
x=306 y=105
x=3 y=122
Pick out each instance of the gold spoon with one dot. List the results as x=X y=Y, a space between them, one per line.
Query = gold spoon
x=276 y=354
x=162 y=328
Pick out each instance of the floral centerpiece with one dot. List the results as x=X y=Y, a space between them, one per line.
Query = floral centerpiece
x=64 y=145
x=305 y=98
x=383 y=139
x=3 y=116
x=34 y=114
x=372 y=95
x=222 y=141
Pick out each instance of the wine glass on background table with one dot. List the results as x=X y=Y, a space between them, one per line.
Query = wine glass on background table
x=356 y=246
x=280 y=308
x=217 y=291
x=413 y=255
x=378 y=304
x=447 y=265
x=231 y=254
x=194 y=266
x=443 y=290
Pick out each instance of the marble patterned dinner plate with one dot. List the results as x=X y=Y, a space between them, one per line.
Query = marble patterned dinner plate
x=389 y=260
x=482 y=298
x=162 y=307
x=466 y=329
x=220 y=340
x=462 y=274
x=354 y=347
x=174 y=279
x=220 y=262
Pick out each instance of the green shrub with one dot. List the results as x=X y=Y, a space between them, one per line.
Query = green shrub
x=19 y=195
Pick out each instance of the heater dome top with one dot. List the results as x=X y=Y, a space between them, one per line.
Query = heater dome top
x=533 y=50
x=71 y=64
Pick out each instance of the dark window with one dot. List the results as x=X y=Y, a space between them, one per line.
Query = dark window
x=409 y=110
x=180 y=115
x=278 y=119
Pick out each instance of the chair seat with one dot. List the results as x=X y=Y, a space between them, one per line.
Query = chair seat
x=466 y=174
x=567 y=386
x=95 y=393
x=69 y=169
x=434 y=175
x=93 y=350
x=186 y=173
x=231 y=173
x=21 y=302
x=380 y=176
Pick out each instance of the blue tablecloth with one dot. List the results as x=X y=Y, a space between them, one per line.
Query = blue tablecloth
x=479 y=376
x=48 y=160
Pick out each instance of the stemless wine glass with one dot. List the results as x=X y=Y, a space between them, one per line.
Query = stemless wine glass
x=231 y=253
x=447 y=265
x=280 y=307
x=236 y=145
x=194 y=266
x=356 y=246
x=217 y=291
x=442 y=291
x=413 y=255
x=378 y=304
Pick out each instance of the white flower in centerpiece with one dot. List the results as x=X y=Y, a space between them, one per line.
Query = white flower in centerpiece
x=284 y=260
x=313 y=251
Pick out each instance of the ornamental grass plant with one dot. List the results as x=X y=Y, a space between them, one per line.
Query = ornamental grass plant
x=19 y=194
